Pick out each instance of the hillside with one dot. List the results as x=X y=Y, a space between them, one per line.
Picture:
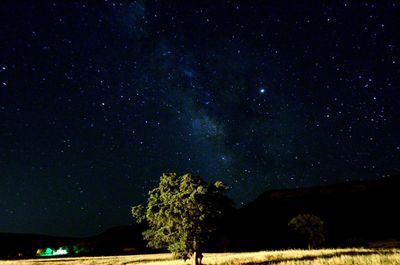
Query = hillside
x=117 y=240
x=24 y=245
x=355 y=213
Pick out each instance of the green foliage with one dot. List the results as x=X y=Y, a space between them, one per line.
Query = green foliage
x=181 y=213
x=309 y=226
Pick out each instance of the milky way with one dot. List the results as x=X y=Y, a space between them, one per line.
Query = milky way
x=98 y=100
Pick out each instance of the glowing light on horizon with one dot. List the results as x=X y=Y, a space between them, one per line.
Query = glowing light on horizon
x=50 y=252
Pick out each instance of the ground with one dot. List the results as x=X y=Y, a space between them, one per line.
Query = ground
x=355 y=256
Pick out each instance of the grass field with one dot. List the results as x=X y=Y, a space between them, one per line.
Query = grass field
x=351 y=256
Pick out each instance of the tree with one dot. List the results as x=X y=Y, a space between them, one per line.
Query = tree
x=182 y=213
x=309 y=226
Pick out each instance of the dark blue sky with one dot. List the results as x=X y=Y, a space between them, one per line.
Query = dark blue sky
x=98 y=100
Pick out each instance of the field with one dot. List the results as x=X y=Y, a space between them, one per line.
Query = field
x=288 y=257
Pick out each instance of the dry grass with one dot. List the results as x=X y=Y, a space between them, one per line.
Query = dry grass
x=287 y=257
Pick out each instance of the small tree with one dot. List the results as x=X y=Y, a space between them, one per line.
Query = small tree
x=181 y=213
x=309 y=226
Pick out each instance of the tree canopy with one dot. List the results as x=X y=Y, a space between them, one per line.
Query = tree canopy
x=310 y=226
x=182 y=212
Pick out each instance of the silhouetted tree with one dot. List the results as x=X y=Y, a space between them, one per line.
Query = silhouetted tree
x=309 y=226
x=182 y=212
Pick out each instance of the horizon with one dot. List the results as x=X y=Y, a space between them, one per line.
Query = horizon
x=236 y=207
x=106 y=229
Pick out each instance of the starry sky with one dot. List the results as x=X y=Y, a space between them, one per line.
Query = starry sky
x=97 y=100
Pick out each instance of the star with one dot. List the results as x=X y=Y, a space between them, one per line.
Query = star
x=253 y=103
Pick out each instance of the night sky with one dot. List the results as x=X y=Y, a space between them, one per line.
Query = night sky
x=98 y=100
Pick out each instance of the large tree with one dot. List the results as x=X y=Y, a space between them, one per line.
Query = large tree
x=182 y=213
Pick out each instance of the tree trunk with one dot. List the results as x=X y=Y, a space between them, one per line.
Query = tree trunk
x=194 y=259
x=197 y=258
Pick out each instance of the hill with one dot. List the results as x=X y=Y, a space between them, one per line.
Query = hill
x=355 y=214
x=25 y=245
x=115 y=241
x=359 y=213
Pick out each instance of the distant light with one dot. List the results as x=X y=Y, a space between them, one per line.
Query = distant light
x=262 y=90
x=60 y=251
x=50 y=252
